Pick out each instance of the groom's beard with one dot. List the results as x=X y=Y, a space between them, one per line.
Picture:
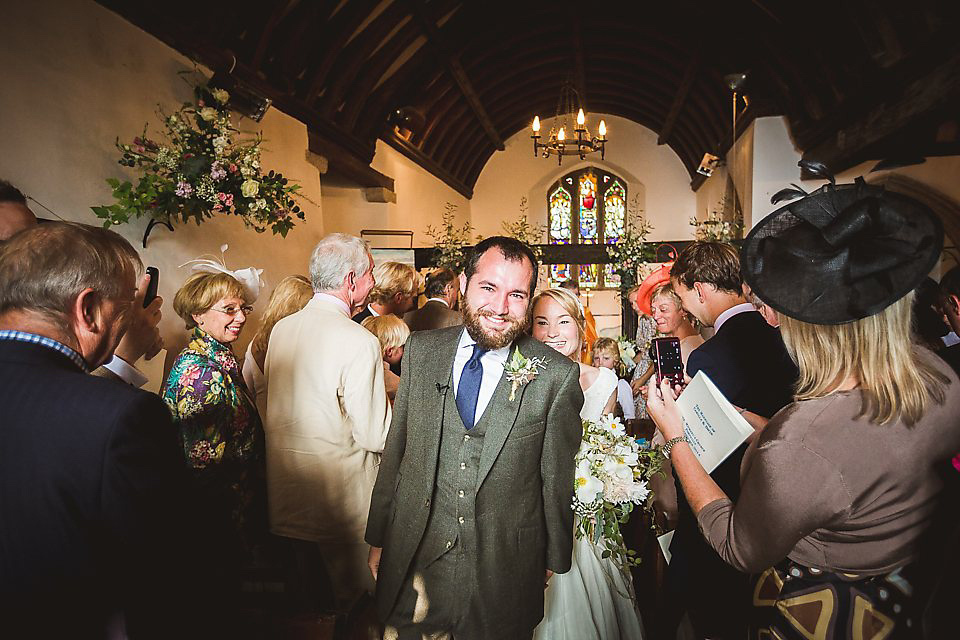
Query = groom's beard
x=491 y=338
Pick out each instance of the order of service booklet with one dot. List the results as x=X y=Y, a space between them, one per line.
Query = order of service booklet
x=713 y=427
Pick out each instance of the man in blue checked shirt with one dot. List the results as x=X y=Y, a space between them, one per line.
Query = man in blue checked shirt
x=90 y=471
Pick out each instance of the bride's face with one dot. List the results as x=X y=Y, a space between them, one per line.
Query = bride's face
x=554 y=327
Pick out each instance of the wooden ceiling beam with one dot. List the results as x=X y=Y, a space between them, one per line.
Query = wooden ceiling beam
x=427 y=163
x=937 y=90
x=579 y=73
x=435 y=37
x=679 y=98
x=353 y=58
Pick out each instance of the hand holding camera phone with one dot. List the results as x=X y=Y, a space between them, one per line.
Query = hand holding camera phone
x=151 y=293
x=667 y=362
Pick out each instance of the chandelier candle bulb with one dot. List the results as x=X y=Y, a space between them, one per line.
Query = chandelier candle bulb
x=536 y=124
x=580 y=118
x=561 y=136
x=602 y=129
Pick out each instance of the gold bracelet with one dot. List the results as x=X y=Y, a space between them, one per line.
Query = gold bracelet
x=669 y=444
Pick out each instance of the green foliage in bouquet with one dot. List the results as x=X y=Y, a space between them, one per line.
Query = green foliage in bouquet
x=202 y=169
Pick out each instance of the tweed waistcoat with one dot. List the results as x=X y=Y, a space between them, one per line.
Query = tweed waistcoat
x=452 y=525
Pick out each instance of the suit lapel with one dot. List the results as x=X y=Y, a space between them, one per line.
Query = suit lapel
x=500 y=416
x=440 y=381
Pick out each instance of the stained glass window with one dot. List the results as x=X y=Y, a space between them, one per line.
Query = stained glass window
x=560 y=219
x=586 y=207
x=614 y=213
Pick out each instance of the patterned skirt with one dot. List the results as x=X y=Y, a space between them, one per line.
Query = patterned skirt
x=791 y=601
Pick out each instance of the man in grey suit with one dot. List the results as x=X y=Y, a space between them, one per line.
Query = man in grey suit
x=471 y=508
x=442 y=290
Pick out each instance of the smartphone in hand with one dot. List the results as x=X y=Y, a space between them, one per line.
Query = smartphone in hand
x=151 y=293
x=667 y=361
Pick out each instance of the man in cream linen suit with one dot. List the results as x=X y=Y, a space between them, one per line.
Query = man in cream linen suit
x=327 y=420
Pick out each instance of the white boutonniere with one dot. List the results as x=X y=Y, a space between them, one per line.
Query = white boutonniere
x=521 y=370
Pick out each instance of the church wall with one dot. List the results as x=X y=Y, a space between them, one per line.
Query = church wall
x=652 y=172
x=77 y=76
x=421 y=201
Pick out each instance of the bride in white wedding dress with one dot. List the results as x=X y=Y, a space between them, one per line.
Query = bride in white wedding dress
x=594 y=600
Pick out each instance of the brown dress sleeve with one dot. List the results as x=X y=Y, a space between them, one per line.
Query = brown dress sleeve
x=787 y=493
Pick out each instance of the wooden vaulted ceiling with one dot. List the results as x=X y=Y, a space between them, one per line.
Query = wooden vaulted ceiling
x=447 y=81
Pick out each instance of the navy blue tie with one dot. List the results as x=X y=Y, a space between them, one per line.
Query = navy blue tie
x=468 y=390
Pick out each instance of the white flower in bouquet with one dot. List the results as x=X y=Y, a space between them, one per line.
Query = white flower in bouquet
x=588 y=487
x=611 y=478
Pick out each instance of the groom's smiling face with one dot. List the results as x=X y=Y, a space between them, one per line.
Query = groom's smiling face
x=497 y=299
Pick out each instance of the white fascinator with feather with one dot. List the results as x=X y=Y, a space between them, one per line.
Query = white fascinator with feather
x=248 y=277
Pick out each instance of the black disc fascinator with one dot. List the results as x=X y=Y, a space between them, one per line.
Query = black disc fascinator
x=841 y=253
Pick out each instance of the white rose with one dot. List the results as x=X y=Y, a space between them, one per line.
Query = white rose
x=209 y=114
x=250 y=188
x=220 y=95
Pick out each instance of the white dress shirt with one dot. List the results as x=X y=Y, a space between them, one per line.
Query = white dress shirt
x=440 y=300
x=125 y=371
x=492 y=363
x=732 y=311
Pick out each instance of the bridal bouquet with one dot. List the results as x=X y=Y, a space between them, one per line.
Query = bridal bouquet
x=611 y=478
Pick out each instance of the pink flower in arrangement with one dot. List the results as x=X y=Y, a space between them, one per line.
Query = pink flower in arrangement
x=217 y=207
x=221 y=196
x=200 y=103
x=184 y=189
x=228 y=201
x=233 y=168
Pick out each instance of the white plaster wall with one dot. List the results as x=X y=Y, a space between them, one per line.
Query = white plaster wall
x=76 y=76
x=421 y=200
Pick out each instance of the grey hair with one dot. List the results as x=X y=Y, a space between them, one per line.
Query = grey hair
x=334 y=258
x=43 y=269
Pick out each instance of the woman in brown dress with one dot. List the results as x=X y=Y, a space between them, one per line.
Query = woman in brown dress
x=840 y=488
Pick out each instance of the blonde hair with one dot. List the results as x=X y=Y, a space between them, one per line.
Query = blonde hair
x=610 y=347
x=390 y=330
x=203 y=290
x=289 y=296
x=897 y=378
x=392 y=278
x=569 y=303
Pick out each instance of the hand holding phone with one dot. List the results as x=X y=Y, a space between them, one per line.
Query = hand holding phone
x=667 y=360
x=151 y=293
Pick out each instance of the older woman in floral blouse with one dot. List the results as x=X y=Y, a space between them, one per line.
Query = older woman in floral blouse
x=217 y=419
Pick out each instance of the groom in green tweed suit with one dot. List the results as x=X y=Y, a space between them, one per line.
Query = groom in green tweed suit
x=471 y=510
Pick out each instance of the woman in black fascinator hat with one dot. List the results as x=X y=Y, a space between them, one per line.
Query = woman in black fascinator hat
x=840 y=488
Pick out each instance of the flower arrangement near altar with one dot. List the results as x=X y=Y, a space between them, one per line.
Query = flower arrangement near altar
x=612 y=477
x=203 y=168
x=525 y=231
x=450 y=240
x=714 y=228
x=632 y=253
